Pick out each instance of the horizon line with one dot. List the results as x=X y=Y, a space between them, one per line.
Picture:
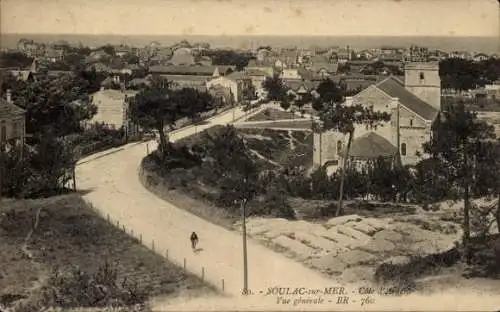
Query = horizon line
x=248 y=35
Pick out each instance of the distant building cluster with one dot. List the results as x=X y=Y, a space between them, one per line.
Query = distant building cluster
x=192 y=65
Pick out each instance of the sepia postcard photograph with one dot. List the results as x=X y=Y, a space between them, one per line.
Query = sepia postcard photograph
x=249 y=155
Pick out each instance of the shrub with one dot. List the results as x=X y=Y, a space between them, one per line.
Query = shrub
x=74 y=288
x=417 y=267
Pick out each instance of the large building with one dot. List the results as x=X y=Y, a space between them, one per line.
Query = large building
x=12 y=120
x=413 y=104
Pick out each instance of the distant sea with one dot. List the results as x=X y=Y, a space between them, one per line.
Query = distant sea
x=472 y=44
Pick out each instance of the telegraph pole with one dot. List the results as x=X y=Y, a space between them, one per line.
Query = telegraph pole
x=245 y=260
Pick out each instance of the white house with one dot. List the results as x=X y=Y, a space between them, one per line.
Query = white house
x=112 y=106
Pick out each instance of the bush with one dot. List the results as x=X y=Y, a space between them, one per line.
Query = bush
x=418 y=266
x=42 y=169
x=74 y=288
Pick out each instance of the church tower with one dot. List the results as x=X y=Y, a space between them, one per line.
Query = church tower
x=422 y=79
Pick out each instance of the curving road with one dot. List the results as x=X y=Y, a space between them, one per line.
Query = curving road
x=112 y=180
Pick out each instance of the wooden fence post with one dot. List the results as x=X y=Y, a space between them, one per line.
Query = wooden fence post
x=184 y=263
x=222 y=284
x=202 y=274
x=166 y=254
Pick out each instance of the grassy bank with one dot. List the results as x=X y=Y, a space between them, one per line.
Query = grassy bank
x=70 y=241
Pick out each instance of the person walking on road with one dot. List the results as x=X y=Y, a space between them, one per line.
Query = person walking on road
x=194 y=240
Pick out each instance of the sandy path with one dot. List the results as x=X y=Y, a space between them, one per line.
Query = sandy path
x=115 y=190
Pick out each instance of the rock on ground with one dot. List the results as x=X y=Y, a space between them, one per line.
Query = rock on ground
x=397 y=260
x=302 y=251
x=388 y=235
x=353 y=233
x=317 y=242
x=342 y=220
x=329 y=264
x=355 y=257
x=358 y=274
x=364 y=228
x=343 y=240
x=379 y=246
x=378 y=224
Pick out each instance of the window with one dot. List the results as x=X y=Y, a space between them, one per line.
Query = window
x=3 y=132
x=411 y=122
x=422 y=77
x=339 y=147
x=15 y=129
x=403 y=149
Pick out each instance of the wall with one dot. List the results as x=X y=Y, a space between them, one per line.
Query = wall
x=413 y=134
x=226 y=83
x=14 y=128
x=329 y=140
x=372 y=96
x=428 y=89
x=110 y=108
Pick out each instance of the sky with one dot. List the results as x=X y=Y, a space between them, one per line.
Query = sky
x=253 y=17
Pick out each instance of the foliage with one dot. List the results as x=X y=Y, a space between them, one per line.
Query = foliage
x=232 y=163
x=160 y=105
x=461 y=75
x=229 y=57
x=75 y=288
x=108 y=49
x=15 y=59
x=57 y=105
x=459 y=141
x=336 y=116
x=276 y=90
x=39 y=170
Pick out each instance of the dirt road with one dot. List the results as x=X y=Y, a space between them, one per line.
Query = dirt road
x=114 y=189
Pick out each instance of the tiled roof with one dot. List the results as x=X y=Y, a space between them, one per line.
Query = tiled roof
x=237 y=76
x=256 y=63
x=187 y=78
x=9 y=109
x=296 y=84
x=331 y=68
x=256 y=72
x=319 y=59
x=395 y=88
x=370 y=146
x=188 y=70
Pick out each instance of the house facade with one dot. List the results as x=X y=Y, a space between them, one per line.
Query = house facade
x=235 y=83
x=413 y=105
x=112 y=107
x=12 y=120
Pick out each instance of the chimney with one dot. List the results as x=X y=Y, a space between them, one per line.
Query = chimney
x=348 y=101
x=9 y=96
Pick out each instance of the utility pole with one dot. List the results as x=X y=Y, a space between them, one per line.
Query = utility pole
x=245 y=260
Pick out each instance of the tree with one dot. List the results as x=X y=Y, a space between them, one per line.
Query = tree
x=337 y=116
x=276 y=90
x=160 y=105
x=57 y=104
x=285 y=103
x=109 y=49
x=459 y=140
x=15 y=59
x=43 y=169
x=238 y=173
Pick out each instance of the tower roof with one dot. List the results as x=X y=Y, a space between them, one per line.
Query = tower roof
x=370 y=146
x=395 y=88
